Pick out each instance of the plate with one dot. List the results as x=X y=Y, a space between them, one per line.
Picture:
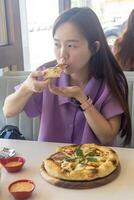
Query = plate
x=80 y=184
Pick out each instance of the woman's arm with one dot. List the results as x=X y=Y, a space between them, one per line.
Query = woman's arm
x=15 y=102
x=104 y=129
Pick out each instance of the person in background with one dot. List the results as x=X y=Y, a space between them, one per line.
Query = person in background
x=123 y=48
x=88 y=103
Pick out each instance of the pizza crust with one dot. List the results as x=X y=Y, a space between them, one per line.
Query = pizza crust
x=77 y=171
x=78 y=175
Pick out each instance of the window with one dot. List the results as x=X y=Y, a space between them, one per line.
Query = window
x=112 y=14
x=11 y=55
x=3 y=29
x=40 y=18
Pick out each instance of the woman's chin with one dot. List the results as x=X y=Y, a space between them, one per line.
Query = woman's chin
x=67 y=71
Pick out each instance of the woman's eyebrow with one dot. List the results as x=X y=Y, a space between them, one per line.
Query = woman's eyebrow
x=56 y=39
x=70 y=40
x=73 y=40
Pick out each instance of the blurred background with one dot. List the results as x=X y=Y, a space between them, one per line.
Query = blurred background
x=29 y=44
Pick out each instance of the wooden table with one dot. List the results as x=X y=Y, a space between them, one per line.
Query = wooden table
x=34 y=152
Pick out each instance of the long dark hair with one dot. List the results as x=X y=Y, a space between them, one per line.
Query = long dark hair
x=124 y=45
x=102 y=64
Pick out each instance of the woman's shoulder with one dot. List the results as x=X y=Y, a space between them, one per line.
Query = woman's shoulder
x=100 y=88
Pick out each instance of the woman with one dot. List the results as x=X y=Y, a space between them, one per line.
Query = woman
x=88 y=103
x=124 y=46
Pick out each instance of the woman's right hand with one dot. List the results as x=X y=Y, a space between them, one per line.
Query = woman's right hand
x=35 y=82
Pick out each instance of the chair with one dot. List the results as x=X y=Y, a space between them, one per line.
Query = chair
x=130 y=80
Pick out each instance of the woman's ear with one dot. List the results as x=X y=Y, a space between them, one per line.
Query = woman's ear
x=97 y=46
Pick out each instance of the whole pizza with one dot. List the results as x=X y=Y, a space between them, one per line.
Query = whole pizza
x=83 y=162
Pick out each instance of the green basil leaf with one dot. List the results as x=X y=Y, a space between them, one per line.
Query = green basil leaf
x=92 y=159
x=79 y=152
x=91 y=153
x=70 y=159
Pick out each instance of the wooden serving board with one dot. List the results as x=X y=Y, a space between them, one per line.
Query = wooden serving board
x=80 y=184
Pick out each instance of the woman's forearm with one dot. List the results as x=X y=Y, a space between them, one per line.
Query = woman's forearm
x=104 y=129
x=15 y=102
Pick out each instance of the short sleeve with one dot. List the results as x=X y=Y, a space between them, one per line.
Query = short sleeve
x=33 y=107
x=111 y=107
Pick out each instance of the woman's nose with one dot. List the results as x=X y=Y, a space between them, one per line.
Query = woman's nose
x=64 y=54
x=63 y=60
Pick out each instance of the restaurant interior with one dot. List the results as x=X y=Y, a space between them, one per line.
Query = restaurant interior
x=26 y=44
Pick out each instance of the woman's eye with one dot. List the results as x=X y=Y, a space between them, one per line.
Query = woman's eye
x=57 y=45
x=72 y=45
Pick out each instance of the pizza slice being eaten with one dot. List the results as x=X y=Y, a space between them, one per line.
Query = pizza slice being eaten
x=54 y=72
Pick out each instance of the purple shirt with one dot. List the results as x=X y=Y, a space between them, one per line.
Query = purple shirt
x=61 y=121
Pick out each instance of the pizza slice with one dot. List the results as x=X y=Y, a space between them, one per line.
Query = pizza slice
x=54 y=72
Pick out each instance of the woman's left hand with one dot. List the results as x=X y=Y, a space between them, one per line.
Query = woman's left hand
x=71 y=91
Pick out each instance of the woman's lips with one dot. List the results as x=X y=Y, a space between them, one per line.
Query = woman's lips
x=63 y=66
x=66 y=66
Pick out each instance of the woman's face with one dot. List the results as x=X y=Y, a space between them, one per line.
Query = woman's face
x=71 y=48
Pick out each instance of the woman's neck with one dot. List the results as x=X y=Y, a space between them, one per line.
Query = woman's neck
x=80 y=79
